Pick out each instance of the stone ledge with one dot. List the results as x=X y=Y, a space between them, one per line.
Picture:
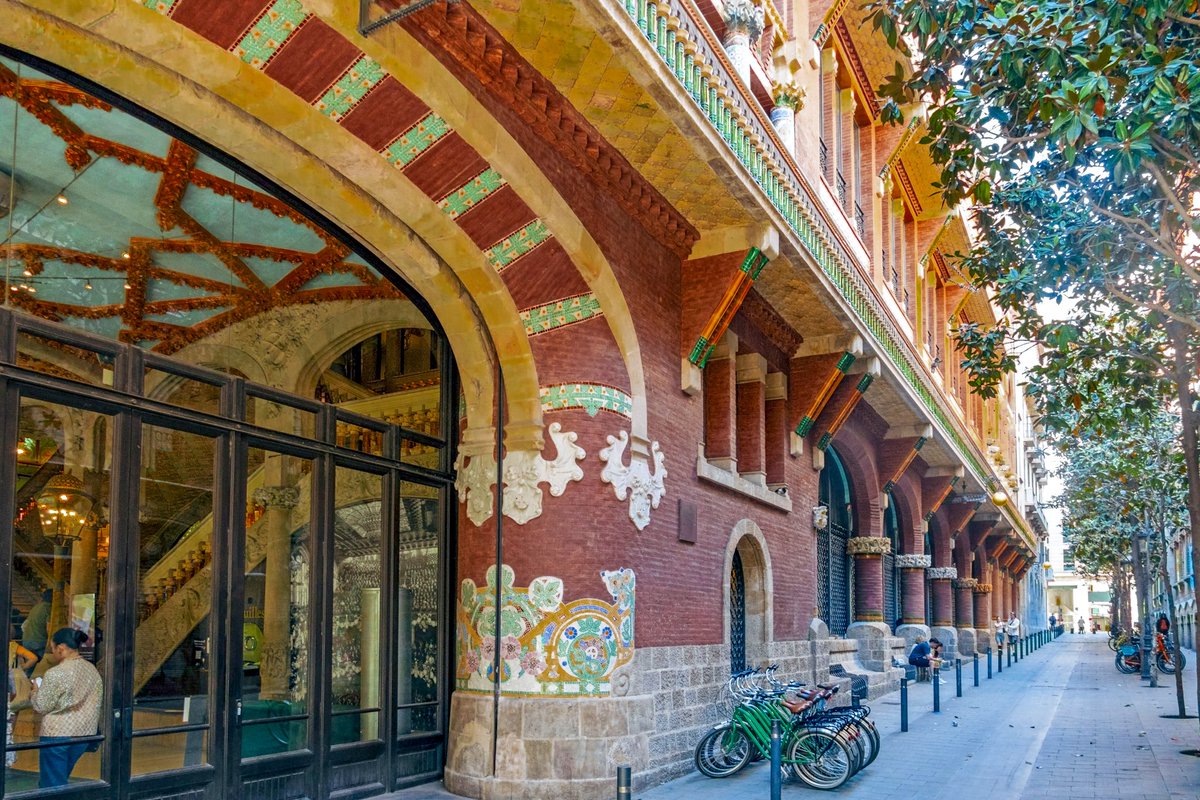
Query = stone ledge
x=711 y=473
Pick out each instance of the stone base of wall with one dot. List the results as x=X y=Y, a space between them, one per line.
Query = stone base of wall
x=665 y=699
x=983 y=640
x=948 y=637
x=966 y=642
x=909 y=634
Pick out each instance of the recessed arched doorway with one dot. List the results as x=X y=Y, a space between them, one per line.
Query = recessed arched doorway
x=248 y=426
x=891 y=572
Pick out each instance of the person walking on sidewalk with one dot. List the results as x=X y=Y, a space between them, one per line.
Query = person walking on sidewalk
x=1013 y=628
x=999 y=627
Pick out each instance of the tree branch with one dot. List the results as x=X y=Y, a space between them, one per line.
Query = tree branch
x=1146 y=304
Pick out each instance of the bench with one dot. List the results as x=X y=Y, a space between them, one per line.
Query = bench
x=858 y=683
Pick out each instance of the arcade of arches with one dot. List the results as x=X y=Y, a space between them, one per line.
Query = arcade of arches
x=382 y=417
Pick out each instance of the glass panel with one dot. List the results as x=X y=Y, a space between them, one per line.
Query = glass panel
x=172 y=642
x=61 y=360
x=280 y=417
x=356 y=437
x=418 y=606
x=275 y=620
x=357 y=577
x=183 y=392
x=58 y=580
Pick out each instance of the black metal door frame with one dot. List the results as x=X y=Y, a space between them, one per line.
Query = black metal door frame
x=129 y=410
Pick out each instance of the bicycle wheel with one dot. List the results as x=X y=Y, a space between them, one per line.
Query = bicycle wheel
x=1113 y=644
x=871 y=735
x=1124 y=665
x=1169 y=662
x=722 y=752
x=820 y=759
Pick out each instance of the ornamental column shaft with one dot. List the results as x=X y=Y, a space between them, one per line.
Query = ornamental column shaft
x=789 y=99
x=983 y=605
x=964 y=611
x=278 y=502
x=744 y=23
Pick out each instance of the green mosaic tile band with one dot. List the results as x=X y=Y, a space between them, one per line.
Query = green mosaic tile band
x=416 y=140
x=502 y=254
x=864 y=383
x=164 y=7
x=560 y=313
x=351 y=88
x=921 y=440
x=591 y=397
x=473 y=192
x=823 y=442
x=270 y=32
x=844 y=362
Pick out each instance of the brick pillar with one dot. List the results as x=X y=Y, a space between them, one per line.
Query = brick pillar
x=868 y=576
x=720 y=434
x=983 y=605
x=776 y=444
x=964 y=611
x=943 y=598
x=751 y=417
x=912 y=578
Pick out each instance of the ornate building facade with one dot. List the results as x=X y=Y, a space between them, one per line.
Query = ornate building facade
x=464 y=389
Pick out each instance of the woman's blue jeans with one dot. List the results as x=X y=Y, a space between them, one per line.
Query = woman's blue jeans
x=55 y=763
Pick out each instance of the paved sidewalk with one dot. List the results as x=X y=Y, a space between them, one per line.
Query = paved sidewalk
x=1062 y=723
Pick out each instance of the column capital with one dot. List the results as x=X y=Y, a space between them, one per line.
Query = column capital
x=277 y=497
x=868 y=546
x=913 y=561
x=743 y=17
x=942 y=573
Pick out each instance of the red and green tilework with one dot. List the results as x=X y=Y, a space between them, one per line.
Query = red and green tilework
x=164 y=7
x=591 y=397
x=471 y=193
x=502 y=254
x=560 y=313
x=352 y=87
x=268 y=34
x=416 y=140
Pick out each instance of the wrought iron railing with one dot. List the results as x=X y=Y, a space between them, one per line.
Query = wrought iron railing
x=824 y=158
x=860 y=221
x=691 y=52
x=841 y=188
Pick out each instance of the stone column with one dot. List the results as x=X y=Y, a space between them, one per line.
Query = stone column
x=789 y=98
x=744 y=23
x=912 y=595
x=83 y=562
x=277 y=595
x=868 y=627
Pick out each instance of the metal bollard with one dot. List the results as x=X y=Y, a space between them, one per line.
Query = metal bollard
x=904 y=705
x=624 y=783
x=776 y=760
x=976 y=665
x=989 y=663
x=958 y=677
x=1008 y=653
x=937 y=694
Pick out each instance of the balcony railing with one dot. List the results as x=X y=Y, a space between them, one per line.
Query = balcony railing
x=683 y=41
x=841 y=189
x=860 y=221
x=895 y=283
x=824 y=158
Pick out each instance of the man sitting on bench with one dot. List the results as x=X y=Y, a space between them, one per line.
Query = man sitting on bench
x=921 y=654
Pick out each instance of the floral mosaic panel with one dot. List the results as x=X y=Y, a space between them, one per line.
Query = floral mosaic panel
x=546 y=646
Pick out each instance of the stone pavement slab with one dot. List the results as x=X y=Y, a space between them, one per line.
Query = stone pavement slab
x=1062 y=723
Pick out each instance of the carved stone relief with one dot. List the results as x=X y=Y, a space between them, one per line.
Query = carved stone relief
x=644 y=488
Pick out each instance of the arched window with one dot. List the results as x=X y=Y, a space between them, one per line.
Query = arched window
x=891 y=573
x=737 y=615
x=833 y=565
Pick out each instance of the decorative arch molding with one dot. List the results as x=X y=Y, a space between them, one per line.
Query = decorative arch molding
x=747 y=539
x=141 y=56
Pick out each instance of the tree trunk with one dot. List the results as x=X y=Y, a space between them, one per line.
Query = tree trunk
x=1183 y=387
x=1166 y=578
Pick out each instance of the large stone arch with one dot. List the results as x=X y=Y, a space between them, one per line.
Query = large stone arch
x=858 y=458
x=144 y=58
x=747 y=539
x=906 y=494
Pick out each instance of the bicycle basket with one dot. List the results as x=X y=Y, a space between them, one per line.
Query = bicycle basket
x=1129 y=650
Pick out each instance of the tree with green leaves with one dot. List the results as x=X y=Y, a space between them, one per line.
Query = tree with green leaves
x=1073 y=128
